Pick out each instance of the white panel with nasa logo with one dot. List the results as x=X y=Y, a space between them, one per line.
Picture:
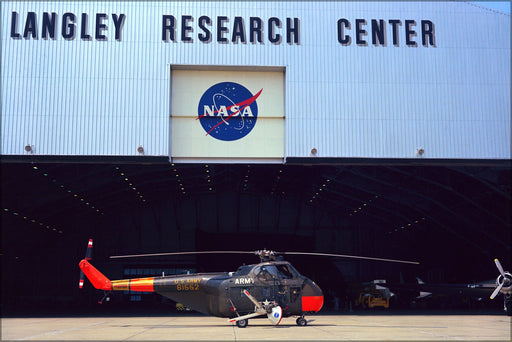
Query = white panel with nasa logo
x=230 y=115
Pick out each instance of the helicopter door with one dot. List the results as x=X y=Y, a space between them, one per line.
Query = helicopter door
x=260 y=284
x=239 y=300
x=265 y=282
x=278 y=283
x=289 y=288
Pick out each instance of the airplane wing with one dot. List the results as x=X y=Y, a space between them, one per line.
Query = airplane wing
x=482 y=289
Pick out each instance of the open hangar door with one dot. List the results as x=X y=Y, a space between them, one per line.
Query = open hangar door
x=453 y=219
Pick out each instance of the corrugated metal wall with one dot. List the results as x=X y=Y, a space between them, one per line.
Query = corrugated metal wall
x=109 y=97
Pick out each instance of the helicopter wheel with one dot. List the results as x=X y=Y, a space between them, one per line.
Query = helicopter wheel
x=242 y=323
x=301 y=322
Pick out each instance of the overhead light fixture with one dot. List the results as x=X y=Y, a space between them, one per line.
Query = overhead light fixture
x=420 y=151
x=140 y=149
x=314 y=151
x=28 y=148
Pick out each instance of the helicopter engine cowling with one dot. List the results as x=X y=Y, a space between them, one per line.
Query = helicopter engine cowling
x=312 y=297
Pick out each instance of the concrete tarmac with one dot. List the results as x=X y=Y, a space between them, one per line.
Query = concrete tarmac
x=320 y=328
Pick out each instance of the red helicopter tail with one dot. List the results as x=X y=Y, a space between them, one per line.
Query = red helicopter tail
x=101 y=282
x=97 y=279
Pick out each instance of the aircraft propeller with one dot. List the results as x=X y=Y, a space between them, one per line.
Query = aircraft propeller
x=504 y=279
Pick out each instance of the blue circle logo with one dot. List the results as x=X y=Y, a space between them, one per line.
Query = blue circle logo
x=228 y=111
x=276 y=315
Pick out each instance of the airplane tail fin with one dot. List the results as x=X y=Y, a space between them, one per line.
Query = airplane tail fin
x=423 y=294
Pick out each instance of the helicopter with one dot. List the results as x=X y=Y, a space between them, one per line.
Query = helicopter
x=273 y=287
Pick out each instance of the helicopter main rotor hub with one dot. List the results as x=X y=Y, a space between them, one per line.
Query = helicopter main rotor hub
x=266 y=255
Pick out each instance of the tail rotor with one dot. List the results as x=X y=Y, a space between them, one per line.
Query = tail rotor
x=88 y=257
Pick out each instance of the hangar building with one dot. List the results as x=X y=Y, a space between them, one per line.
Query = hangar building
x=367 y=128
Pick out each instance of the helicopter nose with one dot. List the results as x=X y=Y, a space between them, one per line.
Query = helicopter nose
x=312 y=297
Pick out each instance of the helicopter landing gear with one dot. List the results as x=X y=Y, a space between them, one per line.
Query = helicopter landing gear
x=242 y=323
x=105 y=298
x=301 y=321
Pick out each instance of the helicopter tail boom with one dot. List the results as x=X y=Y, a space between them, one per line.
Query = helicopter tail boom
x=101 y=282
x=140 y=284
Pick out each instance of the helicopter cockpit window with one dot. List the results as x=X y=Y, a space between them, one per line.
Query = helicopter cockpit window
x=292 y=269
x=284 y=271
x=268 y=272
x=264 y=272
x=243 y=270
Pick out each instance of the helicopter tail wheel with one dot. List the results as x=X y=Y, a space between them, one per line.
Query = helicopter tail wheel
x=301 y=321
x=242 y=323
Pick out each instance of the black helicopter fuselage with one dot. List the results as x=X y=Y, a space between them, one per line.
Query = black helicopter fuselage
x=222 y=294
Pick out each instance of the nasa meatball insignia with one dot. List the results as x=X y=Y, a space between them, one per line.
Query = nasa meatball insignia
x=228 y=111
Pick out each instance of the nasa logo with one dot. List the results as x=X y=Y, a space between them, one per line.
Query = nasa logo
x=228 y=111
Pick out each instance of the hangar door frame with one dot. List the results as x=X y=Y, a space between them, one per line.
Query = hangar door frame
x=266 y=151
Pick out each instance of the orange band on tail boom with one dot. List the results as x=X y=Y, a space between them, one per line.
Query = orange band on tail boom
x=97 y=279
x=139 y=284
x=144 y=284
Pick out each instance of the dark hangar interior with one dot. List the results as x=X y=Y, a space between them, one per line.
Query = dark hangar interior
x=454 y=218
